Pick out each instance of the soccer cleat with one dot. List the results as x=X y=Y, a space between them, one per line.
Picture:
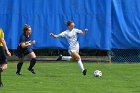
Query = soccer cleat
x=32 y=71
x=18 y=73
x=59 y=58
x=84 y=72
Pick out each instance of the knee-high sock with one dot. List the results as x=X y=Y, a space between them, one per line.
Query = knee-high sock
x=67 y=58
x=32 y=63
x=19 y=65
x=81 y=65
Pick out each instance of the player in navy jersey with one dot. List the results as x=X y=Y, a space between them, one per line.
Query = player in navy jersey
x=25 y=48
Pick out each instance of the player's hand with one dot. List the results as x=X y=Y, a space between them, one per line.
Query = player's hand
x=85 y=31
x=33 y=42
x=8 y=53
x=51 y=34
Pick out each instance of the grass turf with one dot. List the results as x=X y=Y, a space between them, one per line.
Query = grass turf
x=67 y=78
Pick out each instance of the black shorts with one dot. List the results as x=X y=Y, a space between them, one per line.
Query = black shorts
x=3 y=59
x=21 y=52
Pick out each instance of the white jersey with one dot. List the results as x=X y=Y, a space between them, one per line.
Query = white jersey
x=72 y=38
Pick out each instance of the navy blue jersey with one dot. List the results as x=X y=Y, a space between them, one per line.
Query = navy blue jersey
x=24 y=39
x=21 y=52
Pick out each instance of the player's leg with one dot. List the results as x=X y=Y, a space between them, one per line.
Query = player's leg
x=4 y=66
x=67 y=58
x=3 y=59
x=20 y=55
x=32 y=57
x=19 y=65
x=73 y=58
x=1 y=84
x=77 y=56
x=3 y=63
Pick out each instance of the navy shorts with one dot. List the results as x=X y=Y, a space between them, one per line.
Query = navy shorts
x=3 y=59
x=21 y=52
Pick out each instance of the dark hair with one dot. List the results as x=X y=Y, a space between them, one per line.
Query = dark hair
x=69 y=22
x=25 y=28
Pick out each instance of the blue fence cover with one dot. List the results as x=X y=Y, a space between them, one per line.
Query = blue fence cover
x=112 y=24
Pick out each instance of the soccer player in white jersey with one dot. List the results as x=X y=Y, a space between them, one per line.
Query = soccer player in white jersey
x=71 y=36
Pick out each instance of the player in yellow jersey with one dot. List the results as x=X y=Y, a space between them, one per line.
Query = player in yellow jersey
x=3 y=51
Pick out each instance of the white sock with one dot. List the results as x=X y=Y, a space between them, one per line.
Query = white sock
x=67 y=58
x=81 y=65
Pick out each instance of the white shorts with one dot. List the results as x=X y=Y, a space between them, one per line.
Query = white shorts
x=74 y=50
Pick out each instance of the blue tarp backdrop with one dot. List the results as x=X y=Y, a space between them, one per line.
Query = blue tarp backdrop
x=112 y=24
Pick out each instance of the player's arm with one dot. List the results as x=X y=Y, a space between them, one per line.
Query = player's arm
x=24 y=45
x=84 y=32
x=55 y=36
x=5 y=46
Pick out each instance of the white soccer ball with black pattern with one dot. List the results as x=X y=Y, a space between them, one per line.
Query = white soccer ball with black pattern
x=97 y=73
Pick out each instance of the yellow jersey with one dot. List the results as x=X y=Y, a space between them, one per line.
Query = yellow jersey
x=1 y=35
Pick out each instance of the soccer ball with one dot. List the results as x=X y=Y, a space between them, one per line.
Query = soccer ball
x=97 y=73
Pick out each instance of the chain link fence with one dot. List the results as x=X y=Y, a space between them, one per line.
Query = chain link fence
x=125 y=55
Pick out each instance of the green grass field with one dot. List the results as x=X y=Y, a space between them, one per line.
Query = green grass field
x=67 y=78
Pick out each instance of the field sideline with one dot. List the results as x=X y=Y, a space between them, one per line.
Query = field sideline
x=66 y=77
